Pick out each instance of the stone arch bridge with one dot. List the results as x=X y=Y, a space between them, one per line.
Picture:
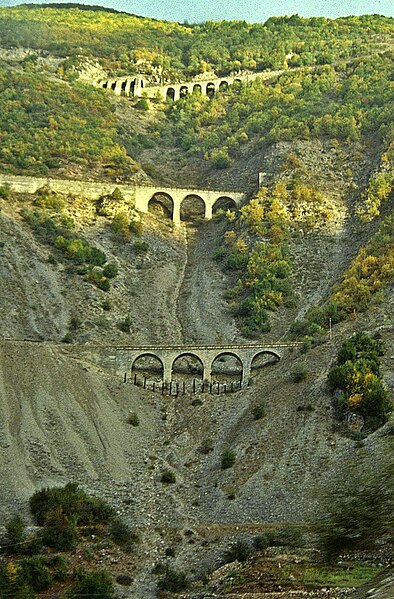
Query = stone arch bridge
x=139 y=195
x=136 y=86
x=123 y=359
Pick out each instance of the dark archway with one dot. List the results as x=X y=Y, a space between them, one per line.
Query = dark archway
x=187 y=366
x=149 y=366
x=223 y=86
x=113 y=85
x=105 y=84
x=132 y=87
x=237 y=81
x=197 y=88
x=210 y=89
x=123 y=88
x=263 y=359
x=224 y=203
x=170 y=95
x=161 y=204
x=183 y=91
x=226 y=367
x=192 y=208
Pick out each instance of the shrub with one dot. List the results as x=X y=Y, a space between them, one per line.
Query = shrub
x=357 y=375
x=299 y=373
x=173 y=581
x=110 y=270
x=228 y=458
x=5 y=191
x=120 y=226
x=136 y=227
x=239 y=551
x=133 y=419
x=121 y=534
x=106 y=305
x=290 y=536
x=60 y=531
x=140 y=247
x=35 y=573
x=258 y=411
x=125 y=324
x=15 y=528
x=73 y=501
x=261 y=542
x=97 y=583
x=168 y=477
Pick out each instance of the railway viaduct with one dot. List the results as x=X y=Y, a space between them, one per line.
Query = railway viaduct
x=141 y=197
x=136 y=86
x=124 y=359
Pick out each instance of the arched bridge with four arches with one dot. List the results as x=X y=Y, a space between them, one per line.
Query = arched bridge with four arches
x=207 y=359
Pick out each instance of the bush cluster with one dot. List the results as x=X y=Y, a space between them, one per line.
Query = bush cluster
x=357 y=376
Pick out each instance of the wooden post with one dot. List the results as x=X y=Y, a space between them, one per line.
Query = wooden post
x=218 y=388
x=125 y=377
x=135 y=378
x=194 y=385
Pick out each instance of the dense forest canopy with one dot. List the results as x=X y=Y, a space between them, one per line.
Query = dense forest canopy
x=118 y=40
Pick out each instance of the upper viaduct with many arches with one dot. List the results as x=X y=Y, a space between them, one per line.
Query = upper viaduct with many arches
x=142 y=196
x=136 y=86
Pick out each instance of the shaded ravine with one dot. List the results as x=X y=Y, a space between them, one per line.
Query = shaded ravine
x=202 y=311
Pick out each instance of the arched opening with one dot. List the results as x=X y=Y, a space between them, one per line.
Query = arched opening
x=149 y=366
x=132 y=87
x=105 y=84
x=226 y=367
x=170 y=95
x=223 y=204
x=197 y=89
x=237 y=81
x=162 y=205
x=192 y=208
x=123 y=88
x=183 y=91
x=113 y=85
x=223 y=86
x=187 y=367
x=210 y=90
x=263 y=359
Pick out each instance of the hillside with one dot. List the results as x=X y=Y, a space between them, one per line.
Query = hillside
x=308 y=257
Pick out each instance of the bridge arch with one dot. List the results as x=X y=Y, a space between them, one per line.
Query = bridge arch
x=189 y=364
x=148 y=364
x=224 y=203
x=192 y=207
x=183 y=91
x=170 y=93
x=227 y=365
x=197 y=88
x=264 y=357
x=161 y=204
x=223 y=85
x=210 y=89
